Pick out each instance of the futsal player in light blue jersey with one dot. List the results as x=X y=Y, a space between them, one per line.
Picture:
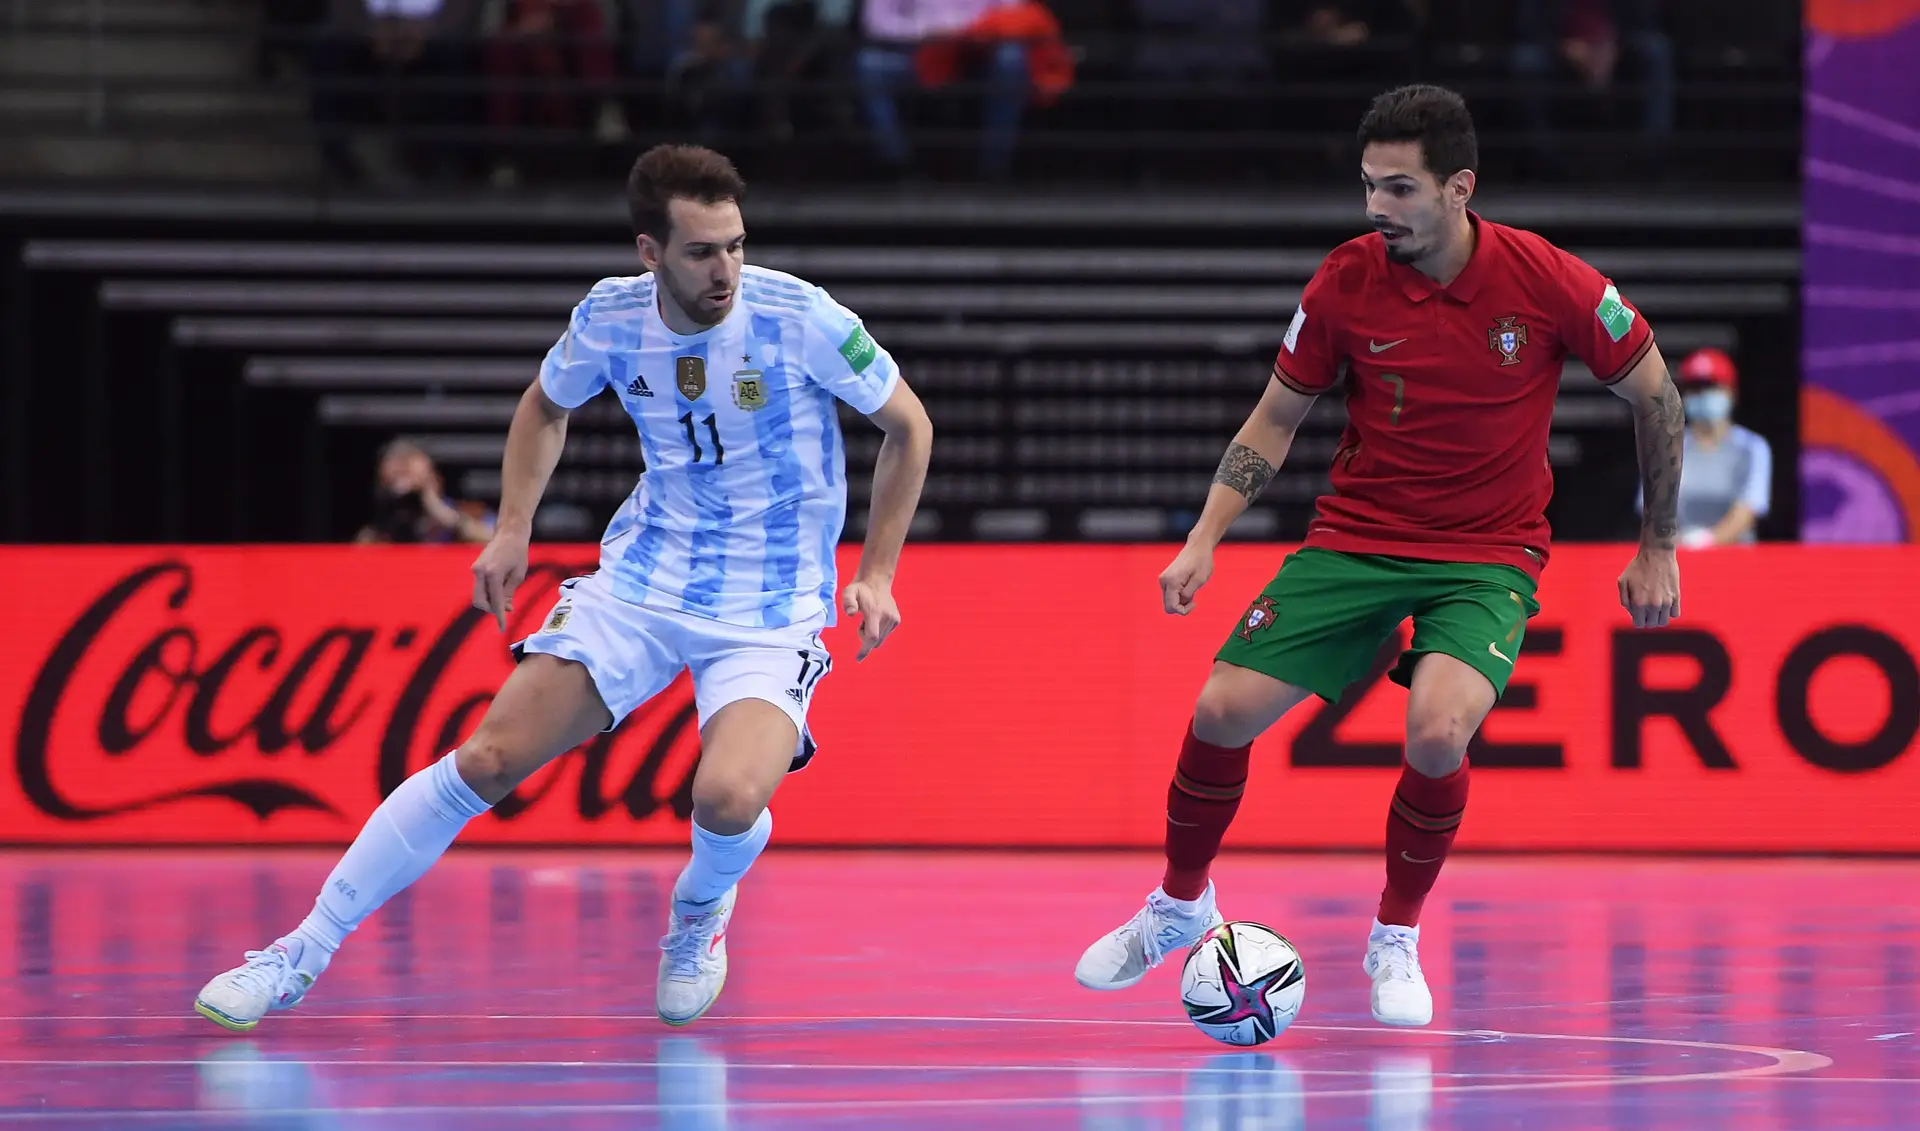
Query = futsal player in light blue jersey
x=721 y=562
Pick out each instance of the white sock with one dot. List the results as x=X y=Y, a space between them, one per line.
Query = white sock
x=719 y=861
x=1188 y=908
x=1384 y=930
x=401 y=840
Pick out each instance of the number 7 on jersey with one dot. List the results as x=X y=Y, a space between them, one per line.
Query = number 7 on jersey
x=1399 y=384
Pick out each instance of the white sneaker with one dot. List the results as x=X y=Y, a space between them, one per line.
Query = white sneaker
x=1122 y=957
x=239 y=998
x=1400 y=994
x=693 y=961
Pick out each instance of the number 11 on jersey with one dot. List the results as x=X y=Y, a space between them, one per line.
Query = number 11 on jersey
x=693 y=438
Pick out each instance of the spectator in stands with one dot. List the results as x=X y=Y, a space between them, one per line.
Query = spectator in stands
x=893 y=31
x=533 y=42
x=410 y=503
x=657 y=31
x=798 y=44
x=1726 y=471
x=1189 y=39
x=709 y=80
x=382 y=64
x=285 y=28
x=1343 y=41
x=1587 y=38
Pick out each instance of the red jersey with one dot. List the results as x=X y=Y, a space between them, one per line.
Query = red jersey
x=1450 y=391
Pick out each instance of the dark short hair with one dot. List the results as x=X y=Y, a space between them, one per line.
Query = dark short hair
x=1435 y=117
x=687 y=172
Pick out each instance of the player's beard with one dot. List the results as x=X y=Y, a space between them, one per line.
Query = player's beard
x=694 y=304
x=1403 y=250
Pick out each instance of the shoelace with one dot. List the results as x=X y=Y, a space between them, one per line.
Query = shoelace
x=1146 y=926
x=685 y=946
x=264 y=972
x=1399 y=959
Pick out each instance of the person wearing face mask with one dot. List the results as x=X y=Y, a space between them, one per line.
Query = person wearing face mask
x=1726 y=478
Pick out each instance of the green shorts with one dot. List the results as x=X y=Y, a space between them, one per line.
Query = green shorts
x=1322 y=621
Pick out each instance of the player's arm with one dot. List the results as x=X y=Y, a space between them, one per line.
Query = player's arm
x=1245 y=470
x=1650 y=586
x=534 y=441
x=845 y=360
x=899 y=473
x=1602 y=328
x=1659 y=431
x=574 y=371
x=1251 y=460
x=1307 y=365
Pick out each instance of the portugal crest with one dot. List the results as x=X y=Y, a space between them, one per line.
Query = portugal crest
x=1507 y=336
x=1261 y=615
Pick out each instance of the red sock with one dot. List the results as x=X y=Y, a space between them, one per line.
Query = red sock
x=1421 y=825
x=1206 y=789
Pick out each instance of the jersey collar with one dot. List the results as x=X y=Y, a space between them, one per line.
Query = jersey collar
x=1418 y=288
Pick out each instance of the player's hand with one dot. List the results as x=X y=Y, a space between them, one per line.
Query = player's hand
x=872 y=602
x=1650 y=587
x=497 y=572
x=1181 y=581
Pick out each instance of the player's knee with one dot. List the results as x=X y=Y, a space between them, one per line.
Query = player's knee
x=1437 y=742
x=727 y=804
x=487 y=767
x=1220 y=719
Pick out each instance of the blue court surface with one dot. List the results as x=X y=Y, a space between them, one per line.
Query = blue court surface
x=898 y=990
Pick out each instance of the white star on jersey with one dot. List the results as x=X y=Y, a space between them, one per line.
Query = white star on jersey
x=744 y=495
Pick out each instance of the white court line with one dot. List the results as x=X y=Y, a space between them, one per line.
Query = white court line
x=270 y=1062
x=1785 y=1060
x=1850 y=1079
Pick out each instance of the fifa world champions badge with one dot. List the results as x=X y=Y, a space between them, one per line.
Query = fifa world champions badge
x=690 y=374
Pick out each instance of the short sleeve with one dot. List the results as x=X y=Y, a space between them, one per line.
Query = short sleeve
x=576 y=367
x=1598 y=324
x=1308 y=361
x=842 y=358
x=1757 y=491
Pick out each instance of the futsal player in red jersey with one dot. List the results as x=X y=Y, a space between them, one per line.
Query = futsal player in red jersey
x=1447 y=334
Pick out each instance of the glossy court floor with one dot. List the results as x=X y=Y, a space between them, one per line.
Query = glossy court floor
x=875 y=990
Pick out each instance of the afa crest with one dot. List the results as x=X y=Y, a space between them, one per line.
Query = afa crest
x=750 y=390
x=1507 y=336
x=558 y=621
x=1260 y=616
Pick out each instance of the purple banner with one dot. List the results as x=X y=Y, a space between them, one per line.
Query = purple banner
x=1860 y=402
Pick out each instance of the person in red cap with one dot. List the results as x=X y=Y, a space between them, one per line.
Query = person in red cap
x=1726 y=477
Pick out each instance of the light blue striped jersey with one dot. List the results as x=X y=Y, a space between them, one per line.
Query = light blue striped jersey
x=745 y=490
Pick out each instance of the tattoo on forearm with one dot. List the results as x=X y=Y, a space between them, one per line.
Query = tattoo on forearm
x=1659 y=428
x=1244 y=470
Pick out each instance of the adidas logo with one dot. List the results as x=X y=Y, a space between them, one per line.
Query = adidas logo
x=638 y=388
x=796 y=695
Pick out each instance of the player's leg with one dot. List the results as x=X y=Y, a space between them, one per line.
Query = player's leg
x=546 y=707
x=1235 y=706
x=1466 y=634
x=752 y=689
x=1312 y=632
x=584 y=658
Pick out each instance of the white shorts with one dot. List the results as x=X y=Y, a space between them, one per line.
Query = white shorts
x=632 y=652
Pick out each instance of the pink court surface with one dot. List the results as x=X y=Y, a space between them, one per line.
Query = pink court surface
x=897 y=990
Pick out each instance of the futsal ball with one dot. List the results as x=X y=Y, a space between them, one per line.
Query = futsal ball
x=1243 y=984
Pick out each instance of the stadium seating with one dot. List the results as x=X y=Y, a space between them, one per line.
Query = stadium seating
x=1084 y=360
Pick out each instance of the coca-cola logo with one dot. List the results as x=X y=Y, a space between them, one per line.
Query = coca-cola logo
x=271 y=715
